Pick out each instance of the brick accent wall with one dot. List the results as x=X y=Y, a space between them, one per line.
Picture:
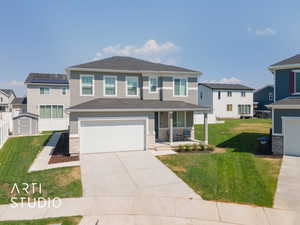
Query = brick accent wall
x=74 y=145
x=277 y=145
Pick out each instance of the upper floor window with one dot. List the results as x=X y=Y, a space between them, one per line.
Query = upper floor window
x=243 y=93
x=44 y=91
x=201 y=95
x=1 y=99
x=132 y=86
x=219 y=95
x=153 y=83
x=87 y=85
x=270 y=96
x=64 y=91
x=110 y=85
x=180 y=87
x=297 y=82
x=229 y=93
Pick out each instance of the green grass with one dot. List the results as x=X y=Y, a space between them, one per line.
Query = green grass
x=17 y=155
x=63 y=220
x=236 y=135
x=238 y=175
x=229 y=177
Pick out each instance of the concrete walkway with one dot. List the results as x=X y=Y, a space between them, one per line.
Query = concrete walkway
x=42 y=159
x=130 y=174
x=288 y=189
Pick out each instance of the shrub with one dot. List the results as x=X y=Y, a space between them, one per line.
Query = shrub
x=195 y=147
x=188 y=148
x=210 y=147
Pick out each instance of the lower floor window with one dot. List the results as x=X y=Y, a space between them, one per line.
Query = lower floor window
x=229 y=107
x=51 y=111
x=244 y=109
x=178 y=119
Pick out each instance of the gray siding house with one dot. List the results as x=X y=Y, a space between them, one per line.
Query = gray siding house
x=48 y=96
x=264 y=96
x=286 y=108
x=124 y=104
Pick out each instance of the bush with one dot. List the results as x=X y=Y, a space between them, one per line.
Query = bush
x=210 y=147
x=188 y=148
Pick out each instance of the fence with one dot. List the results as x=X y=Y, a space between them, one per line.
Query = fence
x=4 y=132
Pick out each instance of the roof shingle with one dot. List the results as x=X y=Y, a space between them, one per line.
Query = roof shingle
x=223 y=86
x=292 y=60
x=134 y=105
x=8 y=92
x=293 y=100
x=130 y=64
x=47 y=78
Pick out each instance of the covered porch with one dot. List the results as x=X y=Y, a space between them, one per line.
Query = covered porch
x=177 y=127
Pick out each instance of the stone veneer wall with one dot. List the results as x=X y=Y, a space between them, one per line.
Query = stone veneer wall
x=74 y=145
x=277 y=145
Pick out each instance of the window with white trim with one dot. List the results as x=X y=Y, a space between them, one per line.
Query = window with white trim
x=44 y=90
x=270 y=96
x=243 y=93
x=87 y=85
x=51 y=111
x=244 y=109
x=178 y=119
x=180 y=87
x=153 y=83
x=229 y=93
x=132 y=86
x=297 y=82
x=110 y=85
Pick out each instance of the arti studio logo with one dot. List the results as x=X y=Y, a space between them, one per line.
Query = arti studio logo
x=26 y=190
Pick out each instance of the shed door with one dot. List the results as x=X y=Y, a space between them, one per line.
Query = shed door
x=291 y=140
x=112 y=136
x=24 y=125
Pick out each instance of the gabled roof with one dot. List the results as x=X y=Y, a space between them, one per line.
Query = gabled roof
x=8 y=92
x=123 y=104
x=47 y=78
x=19 y=101
x=123 y=63
x=222 y=86
x=27 y=114
x=289 y=61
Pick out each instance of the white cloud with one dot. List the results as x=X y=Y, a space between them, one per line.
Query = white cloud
x=225 y=80
x=12 y=83
x=262 y=32
x=151 y=50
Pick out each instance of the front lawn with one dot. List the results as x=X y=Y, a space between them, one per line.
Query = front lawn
x=236 y=135
x=238 y=175
x=17 y=155
x=62 y=220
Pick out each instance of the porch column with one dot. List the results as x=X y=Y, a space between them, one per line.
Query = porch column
x=171 y=127
x=205 y=129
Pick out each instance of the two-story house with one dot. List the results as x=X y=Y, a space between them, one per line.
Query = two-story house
x=124 y=104
x=48 y=96
x=6 y=98
x=286 y=108
x=226 y=100
x=263 y=97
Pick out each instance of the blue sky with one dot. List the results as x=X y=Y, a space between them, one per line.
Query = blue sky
x=228 y=41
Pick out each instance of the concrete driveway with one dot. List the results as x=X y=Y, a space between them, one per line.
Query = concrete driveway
x=288 y=188
x=130 y=174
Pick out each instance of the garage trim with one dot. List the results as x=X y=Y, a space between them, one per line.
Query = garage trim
x=286 y=118
x=125 y=118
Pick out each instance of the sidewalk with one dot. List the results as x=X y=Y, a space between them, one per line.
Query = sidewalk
x=154 y=210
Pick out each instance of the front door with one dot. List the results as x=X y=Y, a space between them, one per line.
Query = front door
x=156 y=117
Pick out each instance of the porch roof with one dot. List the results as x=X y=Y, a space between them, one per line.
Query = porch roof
x=289 y=102
x=125 y=104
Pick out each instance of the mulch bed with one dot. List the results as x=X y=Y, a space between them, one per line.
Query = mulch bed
x=61 y=152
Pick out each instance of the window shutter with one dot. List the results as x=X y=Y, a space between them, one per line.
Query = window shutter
x=292 y=82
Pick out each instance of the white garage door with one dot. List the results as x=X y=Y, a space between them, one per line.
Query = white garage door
x=112 y=136
x=291 y=140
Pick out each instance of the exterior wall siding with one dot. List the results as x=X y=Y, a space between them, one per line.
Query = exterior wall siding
x=220 y=105
x=278 y=114
x=262 y=97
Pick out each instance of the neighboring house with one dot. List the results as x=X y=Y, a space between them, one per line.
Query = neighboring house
x=125 y=104
x=263 y=97
x=226 y=100
x=19 y=106
x=48 y=96
x=6 y=98
x=286 y=108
